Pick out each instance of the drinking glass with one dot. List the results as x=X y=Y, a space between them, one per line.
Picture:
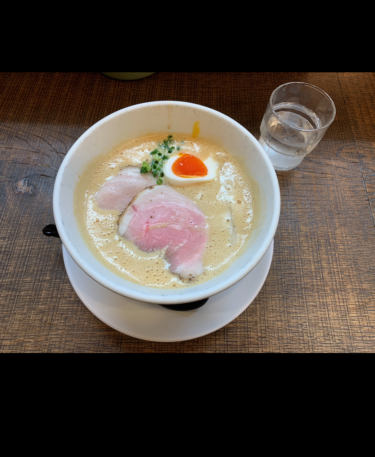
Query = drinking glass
x=297 y=116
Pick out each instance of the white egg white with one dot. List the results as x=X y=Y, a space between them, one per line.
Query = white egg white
x=212 y=168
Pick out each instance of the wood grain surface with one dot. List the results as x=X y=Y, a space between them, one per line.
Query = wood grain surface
x=320 y=293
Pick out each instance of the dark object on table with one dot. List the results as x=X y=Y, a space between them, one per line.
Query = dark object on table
x=51 y=230
x=127 y=75
x=187 y=306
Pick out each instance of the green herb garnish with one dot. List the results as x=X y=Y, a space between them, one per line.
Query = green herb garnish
x=156 y=166
x=146 y=167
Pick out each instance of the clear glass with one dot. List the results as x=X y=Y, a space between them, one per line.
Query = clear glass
x=297 y=116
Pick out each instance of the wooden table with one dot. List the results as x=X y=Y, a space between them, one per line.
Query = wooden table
x=320 y=292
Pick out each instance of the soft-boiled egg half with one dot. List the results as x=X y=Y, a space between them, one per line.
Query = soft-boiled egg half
x=185 y=169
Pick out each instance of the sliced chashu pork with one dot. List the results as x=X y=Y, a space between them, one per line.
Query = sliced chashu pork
x=159 y=218
x=119 y=191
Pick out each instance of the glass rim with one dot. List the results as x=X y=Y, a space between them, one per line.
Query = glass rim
x=315 y=87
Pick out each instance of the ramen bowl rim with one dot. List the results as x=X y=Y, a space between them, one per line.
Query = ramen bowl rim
x=158 y=297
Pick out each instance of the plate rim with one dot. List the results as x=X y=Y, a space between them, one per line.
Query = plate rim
x=238 y=312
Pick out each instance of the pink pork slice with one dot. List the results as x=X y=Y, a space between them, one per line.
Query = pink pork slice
x=119 y=191
x=161 y=218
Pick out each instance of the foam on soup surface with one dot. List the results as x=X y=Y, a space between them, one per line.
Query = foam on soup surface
x=229 y=203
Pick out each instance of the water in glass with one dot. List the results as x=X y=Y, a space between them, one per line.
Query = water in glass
x=285 y=144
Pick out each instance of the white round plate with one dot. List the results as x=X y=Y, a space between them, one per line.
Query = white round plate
x=151 y=322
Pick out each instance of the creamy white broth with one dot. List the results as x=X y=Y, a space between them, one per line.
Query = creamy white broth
x=229 y=203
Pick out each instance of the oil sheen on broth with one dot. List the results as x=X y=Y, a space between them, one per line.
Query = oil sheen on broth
x=228 y=202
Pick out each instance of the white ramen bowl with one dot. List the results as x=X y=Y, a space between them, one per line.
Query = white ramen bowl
x=173 y=117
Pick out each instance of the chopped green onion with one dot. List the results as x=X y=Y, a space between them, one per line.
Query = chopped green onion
x=159 y=181
x=145 y=168
x=157 y=162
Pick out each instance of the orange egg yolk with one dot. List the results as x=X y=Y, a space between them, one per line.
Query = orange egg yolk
x=189 y=166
